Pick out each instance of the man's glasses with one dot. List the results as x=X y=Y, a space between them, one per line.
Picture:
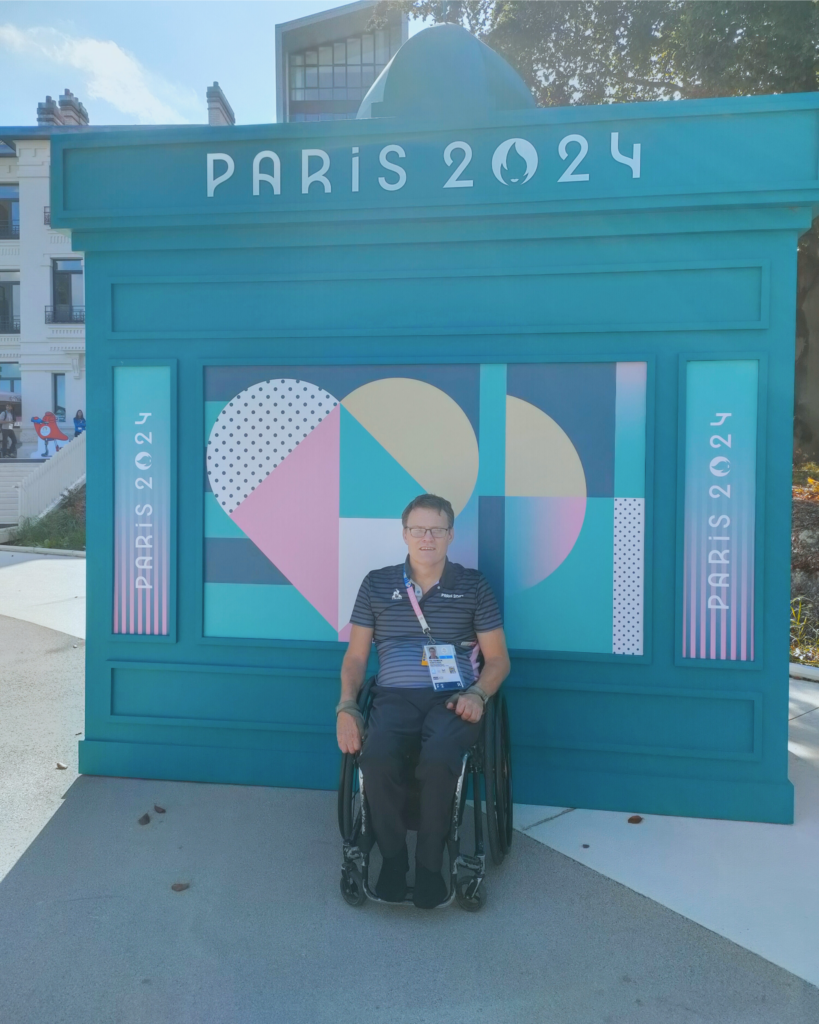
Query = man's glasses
x=434 y=531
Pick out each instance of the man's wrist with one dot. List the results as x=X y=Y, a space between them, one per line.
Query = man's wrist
x=350 y=707
x=479 y=692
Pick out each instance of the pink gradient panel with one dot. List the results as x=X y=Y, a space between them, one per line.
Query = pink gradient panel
x=292 y=516
x=540 y=533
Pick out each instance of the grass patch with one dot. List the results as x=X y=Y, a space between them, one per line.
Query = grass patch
x=63 y=527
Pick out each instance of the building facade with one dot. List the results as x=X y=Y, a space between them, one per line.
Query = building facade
x=326 y=62
x=42 y=294
x=42 y=280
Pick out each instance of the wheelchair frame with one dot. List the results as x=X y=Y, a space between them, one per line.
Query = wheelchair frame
x=487 y=764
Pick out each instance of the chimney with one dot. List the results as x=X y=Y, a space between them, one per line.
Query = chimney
x=49 y=112
x=72 y=111
x=220 y=111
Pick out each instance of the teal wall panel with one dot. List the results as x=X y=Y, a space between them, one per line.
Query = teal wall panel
x=261 y=611
x=623 y=299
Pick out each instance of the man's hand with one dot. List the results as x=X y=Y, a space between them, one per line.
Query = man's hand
x=348 y=733
x=468 y=705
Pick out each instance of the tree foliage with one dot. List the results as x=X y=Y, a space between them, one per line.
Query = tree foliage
x=607 y=51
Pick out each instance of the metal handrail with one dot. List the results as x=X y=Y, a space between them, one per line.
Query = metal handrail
x=9 y=230
x=63 y=314
x=9 y=324
x=47 y=216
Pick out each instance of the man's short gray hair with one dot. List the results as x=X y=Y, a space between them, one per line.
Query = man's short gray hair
x=429 y=501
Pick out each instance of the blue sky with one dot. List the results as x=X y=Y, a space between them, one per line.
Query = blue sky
x=144 y=61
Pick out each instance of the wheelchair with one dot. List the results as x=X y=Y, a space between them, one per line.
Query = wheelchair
x=487 y=766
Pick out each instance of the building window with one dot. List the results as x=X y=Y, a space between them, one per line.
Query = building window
x=68 y=293
x=58 y=395
x=331 y=80
x=9 y=379
x=9 y=301
x=9 y=211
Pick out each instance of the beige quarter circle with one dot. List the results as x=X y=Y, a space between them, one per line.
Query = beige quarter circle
x=424 y=430
x=541 y=461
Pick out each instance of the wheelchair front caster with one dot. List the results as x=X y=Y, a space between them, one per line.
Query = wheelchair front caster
x=351 y=884
x=469 y=895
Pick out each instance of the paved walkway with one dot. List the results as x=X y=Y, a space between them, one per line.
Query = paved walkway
x=90 y=929
x=753 y=883
x=48 y=590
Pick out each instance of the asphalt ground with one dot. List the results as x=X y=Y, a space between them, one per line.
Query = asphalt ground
x=91 y=931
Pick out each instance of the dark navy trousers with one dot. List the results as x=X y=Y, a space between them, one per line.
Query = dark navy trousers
x=402 y=719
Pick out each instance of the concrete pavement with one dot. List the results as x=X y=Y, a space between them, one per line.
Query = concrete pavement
x=753 y=883
x=91 y=931
x=48 y=590
x=41 y=721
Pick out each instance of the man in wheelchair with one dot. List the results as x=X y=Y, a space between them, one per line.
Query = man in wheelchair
x=431 y=620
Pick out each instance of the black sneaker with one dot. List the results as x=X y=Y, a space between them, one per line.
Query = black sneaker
x=392 y=879
x=430 y=888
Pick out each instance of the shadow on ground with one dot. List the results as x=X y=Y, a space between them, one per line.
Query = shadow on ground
x=91 y=931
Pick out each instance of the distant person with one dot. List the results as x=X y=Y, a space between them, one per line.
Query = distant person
x=8 y=441
x=79 y=423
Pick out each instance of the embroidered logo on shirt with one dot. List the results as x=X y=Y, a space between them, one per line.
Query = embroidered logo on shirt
x=396 y=595
x=442 y=594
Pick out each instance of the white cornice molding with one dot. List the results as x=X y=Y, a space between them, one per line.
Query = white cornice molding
x=77 y=346
x=10 y=251
x=66 y=332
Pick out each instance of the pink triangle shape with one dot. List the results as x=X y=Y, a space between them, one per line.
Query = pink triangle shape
x=292 y=516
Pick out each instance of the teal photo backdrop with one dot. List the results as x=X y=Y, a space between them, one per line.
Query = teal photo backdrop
x=560 y=302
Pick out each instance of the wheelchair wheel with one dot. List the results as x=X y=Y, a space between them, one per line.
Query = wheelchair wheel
x=349 y=799
x=492 y=828
x=352 y=886
x=503 y=766
x=497 y=779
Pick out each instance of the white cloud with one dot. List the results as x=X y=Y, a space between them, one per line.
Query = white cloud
x=110 y=73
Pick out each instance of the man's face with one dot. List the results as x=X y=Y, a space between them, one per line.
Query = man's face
x=427 y=550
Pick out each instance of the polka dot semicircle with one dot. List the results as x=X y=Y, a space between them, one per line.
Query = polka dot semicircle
x=257 y=430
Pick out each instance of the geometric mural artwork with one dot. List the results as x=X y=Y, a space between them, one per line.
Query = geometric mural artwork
x=309 y=469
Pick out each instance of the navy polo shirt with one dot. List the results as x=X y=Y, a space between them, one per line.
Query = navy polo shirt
x=460 y=605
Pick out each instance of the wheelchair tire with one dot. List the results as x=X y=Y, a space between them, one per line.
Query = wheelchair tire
x=347 y=789
x=502 y=775
x=504 y=762
x=497 y=847
x=352 y=886
x=470 y=903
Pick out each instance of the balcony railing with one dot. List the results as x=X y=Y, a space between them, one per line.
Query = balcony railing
x=47 y=216
x=9 y=230
x=9 y=324
x=65 y=314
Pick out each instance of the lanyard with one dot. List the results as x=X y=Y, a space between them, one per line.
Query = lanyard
x=417 y=607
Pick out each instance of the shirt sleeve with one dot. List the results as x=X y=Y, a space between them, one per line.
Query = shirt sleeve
x=363 y=610
x=487 y=613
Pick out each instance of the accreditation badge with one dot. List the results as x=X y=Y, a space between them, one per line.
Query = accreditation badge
x=443 y=666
